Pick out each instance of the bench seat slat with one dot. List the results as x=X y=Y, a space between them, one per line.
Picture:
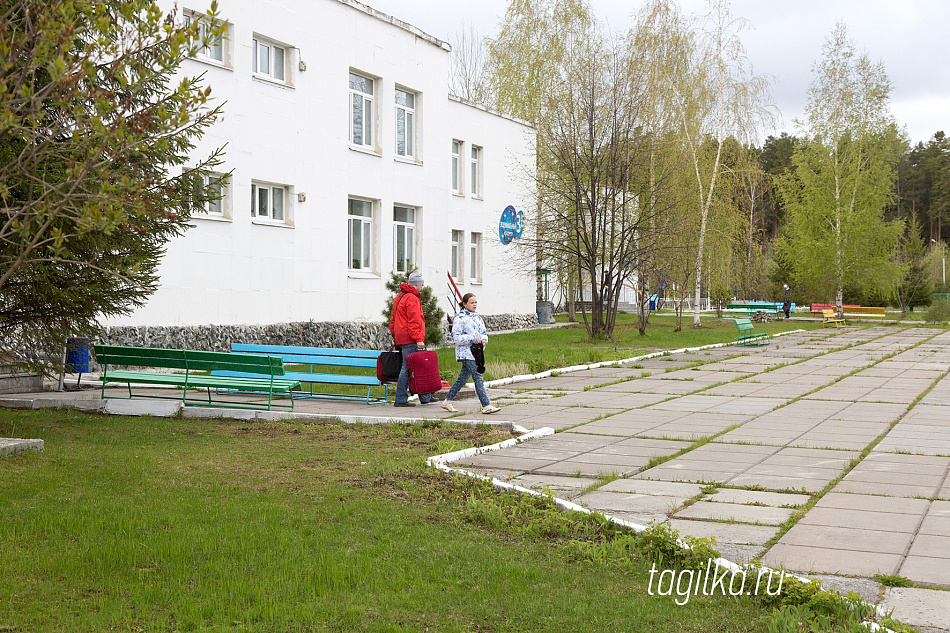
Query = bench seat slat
x=340 y=379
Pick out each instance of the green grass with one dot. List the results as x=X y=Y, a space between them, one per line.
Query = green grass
x=534 y=351
x=145 y=524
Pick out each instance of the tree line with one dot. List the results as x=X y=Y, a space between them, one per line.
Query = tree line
x=650 y=171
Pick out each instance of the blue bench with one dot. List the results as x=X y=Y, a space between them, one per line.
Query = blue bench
x=320 y=356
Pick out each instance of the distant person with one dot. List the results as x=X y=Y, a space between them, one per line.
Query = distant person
x=471 y=337
x=408 y=327
x=787 y=305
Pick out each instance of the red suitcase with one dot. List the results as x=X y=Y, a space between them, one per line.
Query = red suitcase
x=423 y=372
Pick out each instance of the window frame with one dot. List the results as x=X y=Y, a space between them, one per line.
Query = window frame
x=224 y=201
x=367 y=242
x=275 y=191
x=458 y=185
x=408 y=230
x=259 y=43
x=475 y=257
x=457 y=255
x=222 y=43
x=369 y=123
x=476 y=171
x=410 y=124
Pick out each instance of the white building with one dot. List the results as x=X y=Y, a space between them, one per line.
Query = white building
x=349 y=159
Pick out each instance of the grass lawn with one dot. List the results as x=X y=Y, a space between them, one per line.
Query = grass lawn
x=145 y=524
x=534 y=351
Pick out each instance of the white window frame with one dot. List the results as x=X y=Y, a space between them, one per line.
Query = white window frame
x=221 y=208
x=457 y=255
x=270 y=203
x=219 y=53
x=264 y=49
x=365 y=101
x=408 y=113
x=407 y=231
x=476 y=171
x=367 y=231
x=475 y=258
x=458 y=188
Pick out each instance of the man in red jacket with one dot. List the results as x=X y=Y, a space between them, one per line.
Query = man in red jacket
x=408 y=327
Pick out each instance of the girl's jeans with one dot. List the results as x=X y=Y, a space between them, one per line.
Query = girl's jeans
x=468 y=371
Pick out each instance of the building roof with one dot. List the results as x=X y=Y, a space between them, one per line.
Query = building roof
x=379 y=15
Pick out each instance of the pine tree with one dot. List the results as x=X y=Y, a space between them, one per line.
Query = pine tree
x=430 y=306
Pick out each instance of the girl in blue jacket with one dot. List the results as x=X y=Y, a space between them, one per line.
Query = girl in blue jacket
x=468 y=328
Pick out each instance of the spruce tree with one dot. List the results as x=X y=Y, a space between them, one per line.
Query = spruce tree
x=430 y=306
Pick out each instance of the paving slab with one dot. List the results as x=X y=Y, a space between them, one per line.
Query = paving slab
x=739 y=533
x=616 y=502
x=9 y=446
x=830 y=560
x=918 y=607
x=647 y=487
x=773 y=499
x=563 y=487
x=735 y=513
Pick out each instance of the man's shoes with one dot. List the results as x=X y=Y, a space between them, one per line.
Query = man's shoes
x=490 y=409
x=404 y=404
x=429 y=401
x=448 y=407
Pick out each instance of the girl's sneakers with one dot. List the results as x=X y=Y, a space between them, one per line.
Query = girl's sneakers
x=490 y=409
x=448 y=407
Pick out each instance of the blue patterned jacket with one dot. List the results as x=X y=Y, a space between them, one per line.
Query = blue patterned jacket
x=467 y=328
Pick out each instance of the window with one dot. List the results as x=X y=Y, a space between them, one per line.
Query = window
x=456 y=266
x=268 y=201
x=269 y=60
x=361 y=235
x=361 y=110
x=475 y=258
x=457 y=167
x=476 y=182
x=404 y=238
x=214 y=50
x=215 y=192
x=405 y=123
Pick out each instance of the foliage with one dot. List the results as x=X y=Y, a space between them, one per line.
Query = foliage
x=844 y=170
x=938 y=311
x=430 y=306
x=915 y=286
x=91 y=127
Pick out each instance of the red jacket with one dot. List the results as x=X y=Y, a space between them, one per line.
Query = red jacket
x=408 y=325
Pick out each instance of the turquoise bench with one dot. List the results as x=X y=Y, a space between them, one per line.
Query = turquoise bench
x=746 y=335
x=314 y=357
x=259 y=374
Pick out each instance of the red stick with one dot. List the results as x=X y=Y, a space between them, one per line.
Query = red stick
x=456 y=288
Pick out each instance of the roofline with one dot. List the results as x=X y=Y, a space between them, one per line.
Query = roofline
x=485 y=108
x=384 y=17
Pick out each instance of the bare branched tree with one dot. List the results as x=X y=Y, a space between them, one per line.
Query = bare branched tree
x=467 y=75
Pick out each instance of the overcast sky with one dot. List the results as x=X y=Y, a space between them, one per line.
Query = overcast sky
x=784 y=40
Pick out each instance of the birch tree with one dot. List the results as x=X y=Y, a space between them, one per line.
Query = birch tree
x=719 y=98
x=845 y=168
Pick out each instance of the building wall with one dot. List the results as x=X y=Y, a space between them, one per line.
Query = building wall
x=235 y=269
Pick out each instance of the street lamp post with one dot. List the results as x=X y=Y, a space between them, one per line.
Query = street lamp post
x=943 y=257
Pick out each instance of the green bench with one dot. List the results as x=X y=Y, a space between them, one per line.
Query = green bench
x=197 y=365
x=746 y=335
x=314 y=357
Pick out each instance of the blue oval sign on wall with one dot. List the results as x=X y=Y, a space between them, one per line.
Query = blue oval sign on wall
x=511 y=225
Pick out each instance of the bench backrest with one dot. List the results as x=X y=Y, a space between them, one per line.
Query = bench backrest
x=289 y=354
x=866 y=310
x=743 y=324
x=226 y=361
x=191 y=360
x=140 y=356
x=829 y=313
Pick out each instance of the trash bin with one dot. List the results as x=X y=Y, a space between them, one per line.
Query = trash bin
x=652 y=305
x=77 y=355
x=545 y=311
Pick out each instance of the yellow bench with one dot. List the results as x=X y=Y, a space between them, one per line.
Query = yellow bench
x=862 y=312
x=831 y=317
